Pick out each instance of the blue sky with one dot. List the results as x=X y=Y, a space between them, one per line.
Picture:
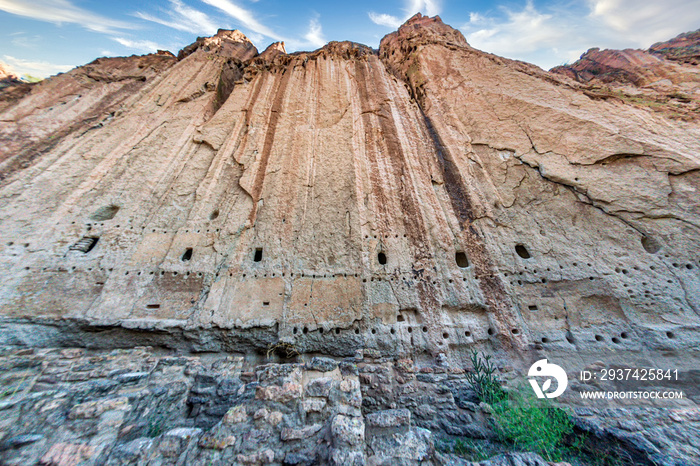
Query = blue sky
x=43 y=37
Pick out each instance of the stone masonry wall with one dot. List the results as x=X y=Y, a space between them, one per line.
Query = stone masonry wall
x=64 y=407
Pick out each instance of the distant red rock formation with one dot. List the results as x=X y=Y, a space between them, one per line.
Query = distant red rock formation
x=663 y=78
x=684 y=48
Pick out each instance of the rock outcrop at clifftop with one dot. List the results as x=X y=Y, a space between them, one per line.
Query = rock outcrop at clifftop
x=419 y=201
x=662 y=60
x=662 y=78
x=684 y=48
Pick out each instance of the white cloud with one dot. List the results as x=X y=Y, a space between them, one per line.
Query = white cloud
x=384 y=19
x=315 y=34
x=476 y=18
x=427 y=7
x=646 y=21
x=255 y=38
x=62 y=11
x=246 y=17
x=146 y=46
x=561 y=33
x=519 y=32
x=40 y=69
x=7 y=69
x=183 y=18
x=23 y=40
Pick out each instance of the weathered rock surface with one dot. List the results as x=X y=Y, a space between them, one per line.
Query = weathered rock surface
x=70 y=105
x=419 y=201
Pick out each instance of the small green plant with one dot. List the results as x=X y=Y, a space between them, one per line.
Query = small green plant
x=155 y=427
x=532 y=425
x=484 y=380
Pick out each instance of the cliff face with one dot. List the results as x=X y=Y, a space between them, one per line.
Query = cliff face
x=425 y=198
x=418 y=201
x=69 y=105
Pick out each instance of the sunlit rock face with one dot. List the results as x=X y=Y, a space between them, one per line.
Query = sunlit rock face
x=424 y=198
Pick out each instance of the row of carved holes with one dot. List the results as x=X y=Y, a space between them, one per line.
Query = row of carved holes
x=650 y=245
x=460 y=257
x=283 y=274
x=86 y=244
x=445 y=335
x=187 y=255
x=600 y=338
x=109 y=212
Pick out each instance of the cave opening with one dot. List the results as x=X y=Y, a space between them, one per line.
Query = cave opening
x=522 y=251
x=461 y=259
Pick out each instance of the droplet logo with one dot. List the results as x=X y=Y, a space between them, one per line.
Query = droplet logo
x=544 y=369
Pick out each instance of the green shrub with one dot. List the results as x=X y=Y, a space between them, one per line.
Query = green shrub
x=532 y=424
x=525 y=422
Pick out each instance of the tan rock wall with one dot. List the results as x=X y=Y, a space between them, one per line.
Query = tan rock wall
x=578 y=217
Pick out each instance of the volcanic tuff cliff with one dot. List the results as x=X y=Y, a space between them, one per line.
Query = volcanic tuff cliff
x=417 y=201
